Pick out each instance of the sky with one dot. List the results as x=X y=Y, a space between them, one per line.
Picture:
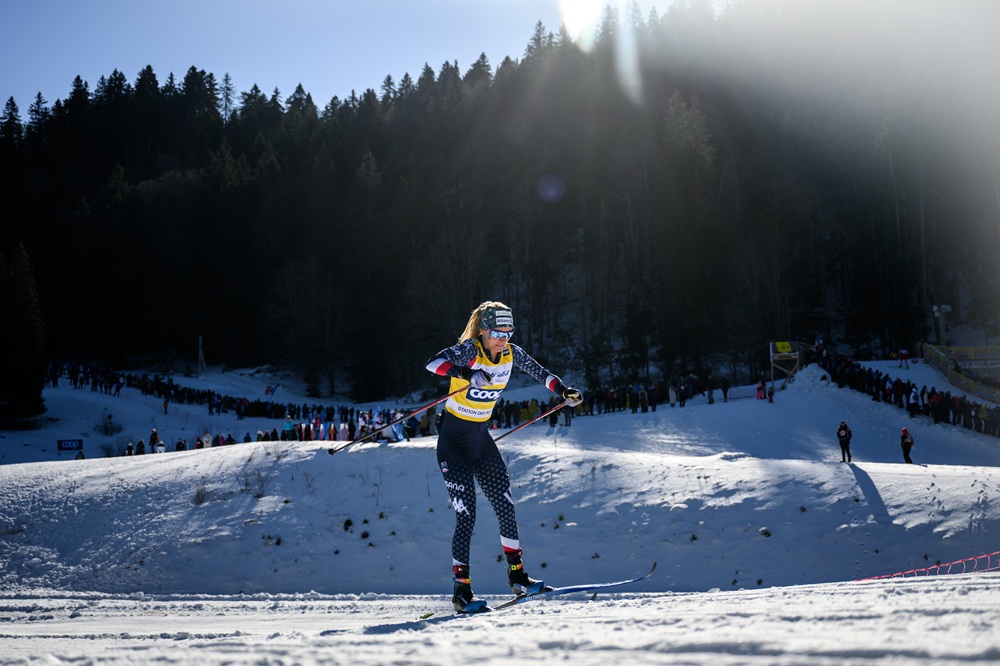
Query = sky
x=331 y=47
x=280 y=553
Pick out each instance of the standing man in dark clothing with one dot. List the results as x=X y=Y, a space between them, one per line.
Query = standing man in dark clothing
x=844 y=437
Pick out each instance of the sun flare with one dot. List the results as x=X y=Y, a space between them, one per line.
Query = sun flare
x=581 y=18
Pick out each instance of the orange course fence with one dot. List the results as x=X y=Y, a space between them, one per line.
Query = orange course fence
x=979 y=564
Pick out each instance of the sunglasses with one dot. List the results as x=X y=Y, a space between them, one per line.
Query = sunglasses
x=500 y=335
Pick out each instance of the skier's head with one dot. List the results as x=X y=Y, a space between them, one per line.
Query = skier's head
x=497 y=315
x=905 y=431
x=488 y=316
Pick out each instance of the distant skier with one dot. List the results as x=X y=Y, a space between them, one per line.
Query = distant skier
x=483 y=360
x=844 y=437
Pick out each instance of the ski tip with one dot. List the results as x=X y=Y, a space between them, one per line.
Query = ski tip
x=652 y=569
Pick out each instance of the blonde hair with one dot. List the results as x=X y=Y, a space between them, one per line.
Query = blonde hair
x=474 y=327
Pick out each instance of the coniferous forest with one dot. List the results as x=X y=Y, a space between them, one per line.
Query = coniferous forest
x=670 y=198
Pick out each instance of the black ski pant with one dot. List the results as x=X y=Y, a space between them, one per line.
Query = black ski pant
x=906 y=453
x=466 y=454
x=845 y=450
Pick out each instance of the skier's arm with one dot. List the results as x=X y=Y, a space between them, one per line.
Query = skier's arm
x=525 y=362
x=454 y=361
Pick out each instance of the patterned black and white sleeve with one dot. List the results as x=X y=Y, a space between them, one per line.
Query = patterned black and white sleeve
x=524 y=362
x=453 y=361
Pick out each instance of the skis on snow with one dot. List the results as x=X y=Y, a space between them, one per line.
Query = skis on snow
x=557 y=591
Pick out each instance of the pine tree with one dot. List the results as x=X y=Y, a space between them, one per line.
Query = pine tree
x=228 y=98
x=22 y=340
x=38 y=115
x=11 y=130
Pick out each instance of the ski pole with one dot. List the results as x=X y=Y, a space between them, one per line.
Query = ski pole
x=335 y=449
x=528 y=423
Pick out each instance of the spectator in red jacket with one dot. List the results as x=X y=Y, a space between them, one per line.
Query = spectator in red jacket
x=906 y=441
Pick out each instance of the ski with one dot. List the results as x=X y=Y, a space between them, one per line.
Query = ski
x=569 y=589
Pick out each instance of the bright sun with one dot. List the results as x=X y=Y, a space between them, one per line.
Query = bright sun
x=581 y=18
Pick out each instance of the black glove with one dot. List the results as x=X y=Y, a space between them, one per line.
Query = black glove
x=572 y=396
x=476 y=378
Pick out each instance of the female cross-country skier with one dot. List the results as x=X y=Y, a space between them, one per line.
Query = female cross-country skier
x=483 y=360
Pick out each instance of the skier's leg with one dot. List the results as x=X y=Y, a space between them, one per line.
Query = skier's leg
x=491 y=472
x=458 y=479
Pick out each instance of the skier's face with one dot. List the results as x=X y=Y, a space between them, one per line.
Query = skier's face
x=495 y=343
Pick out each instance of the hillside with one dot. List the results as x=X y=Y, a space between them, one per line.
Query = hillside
x=174 y=559
x=743 y=494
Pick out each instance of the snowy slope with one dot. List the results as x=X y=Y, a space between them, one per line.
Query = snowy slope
x=736 y=501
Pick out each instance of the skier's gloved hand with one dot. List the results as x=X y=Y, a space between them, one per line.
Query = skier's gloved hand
x=572 y=396
x=476 y=378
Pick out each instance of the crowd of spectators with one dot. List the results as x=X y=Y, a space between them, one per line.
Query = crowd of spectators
x=308 y=422
x=165 y=389
x=300 y=421
x=977 y=377
x=316 y=422
x=942 y=406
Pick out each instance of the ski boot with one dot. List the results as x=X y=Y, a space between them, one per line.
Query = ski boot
x=521 y=584
x=464 y=599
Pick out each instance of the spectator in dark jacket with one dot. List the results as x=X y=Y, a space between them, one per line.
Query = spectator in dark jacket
x=844 y=437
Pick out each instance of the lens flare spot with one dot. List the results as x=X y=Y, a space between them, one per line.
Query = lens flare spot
x=551 y=188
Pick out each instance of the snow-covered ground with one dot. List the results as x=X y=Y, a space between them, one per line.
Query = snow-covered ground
x=278 y=553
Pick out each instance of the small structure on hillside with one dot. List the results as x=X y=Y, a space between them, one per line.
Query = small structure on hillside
x=785 y=362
